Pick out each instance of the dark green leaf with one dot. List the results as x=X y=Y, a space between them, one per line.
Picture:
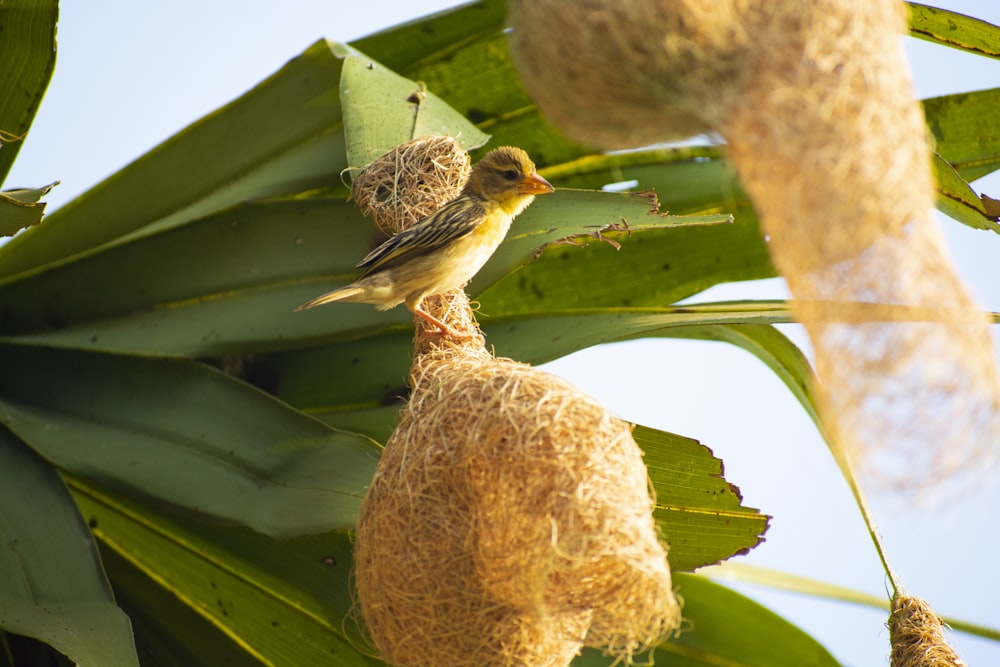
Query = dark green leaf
x=698 y=512
x=376 y=423
x=372 y=371
x=6 y=657
x=29 y=195
x=687 y=179
x=651 y=269
x=16 y=214
x=383 y=109
x=52 y=586
x=726 y=628
x=966 y=131
x=247 y=268
x=225 y=255
x=28 y=54
x=282 y=137
x=957 y=199
x=186 y=434
x=369 y=372
x=542 y=337
x=955 y=30
x=560 y=223
x=400 y=46
x=285 y=602
x=169 y=633
x=722 y=628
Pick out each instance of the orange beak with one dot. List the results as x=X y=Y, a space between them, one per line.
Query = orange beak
x=533 y=184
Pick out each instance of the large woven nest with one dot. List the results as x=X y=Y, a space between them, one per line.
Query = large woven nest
x=509 y=521
x=815 y=103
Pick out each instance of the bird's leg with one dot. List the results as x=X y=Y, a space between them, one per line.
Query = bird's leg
x=444 y=329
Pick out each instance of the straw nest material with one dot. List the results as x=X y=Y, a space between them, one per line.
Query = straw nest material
x=917 y=636
x=509 y=521
x=815 y=104
x=411 y=182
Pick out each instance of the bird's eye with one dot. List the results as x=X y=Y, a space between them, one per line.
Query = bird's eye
x=510 y=174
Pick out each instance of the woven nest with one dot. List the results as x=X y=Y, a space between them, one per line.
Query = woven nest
x=651 y=71
x=509 y=521
x=411 y=182
x=815 y=103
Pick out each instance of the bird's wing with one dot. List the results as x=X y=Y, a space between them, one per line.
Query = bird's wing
x=453 y=220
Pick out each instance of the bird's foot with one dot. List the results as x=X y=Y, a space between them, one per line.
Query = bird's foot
x=442 y=328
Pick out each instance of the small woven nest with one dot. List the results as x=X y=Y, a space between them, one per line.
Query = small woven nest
x=509 y=521
x=411 y=182
x=815 y=103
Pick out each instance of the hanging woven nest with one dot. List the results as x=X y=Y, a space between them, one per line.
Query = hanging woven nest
x=815 y=104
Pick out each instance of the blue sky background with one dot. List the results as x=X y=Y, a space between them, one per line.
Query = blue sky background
x=130 y=74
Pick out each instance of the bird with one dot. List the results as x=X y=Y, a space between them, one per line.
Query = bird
x=447 y=248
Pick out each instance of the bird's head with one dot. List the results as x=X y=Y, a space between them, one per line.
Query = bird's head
x=507 y=175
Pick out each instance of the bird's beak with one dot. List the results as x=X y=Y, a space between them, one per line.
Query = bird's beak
x=533 y=184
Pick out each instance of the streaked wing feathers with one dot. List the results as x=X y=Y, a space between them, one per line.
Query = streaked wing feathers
x=453 y=220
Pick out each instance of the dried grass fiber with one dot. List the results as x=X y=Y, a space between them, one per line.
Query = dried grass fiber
x=815 y=103
x=411 y=182
x=917 y=636
x=509 y=521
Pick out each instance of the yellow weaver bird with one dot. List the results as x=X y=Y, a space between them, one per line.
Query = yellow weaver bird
x=447 y=248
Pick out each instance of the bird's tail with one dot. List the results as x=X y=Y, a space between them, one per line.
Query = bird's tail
x=340 y=294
